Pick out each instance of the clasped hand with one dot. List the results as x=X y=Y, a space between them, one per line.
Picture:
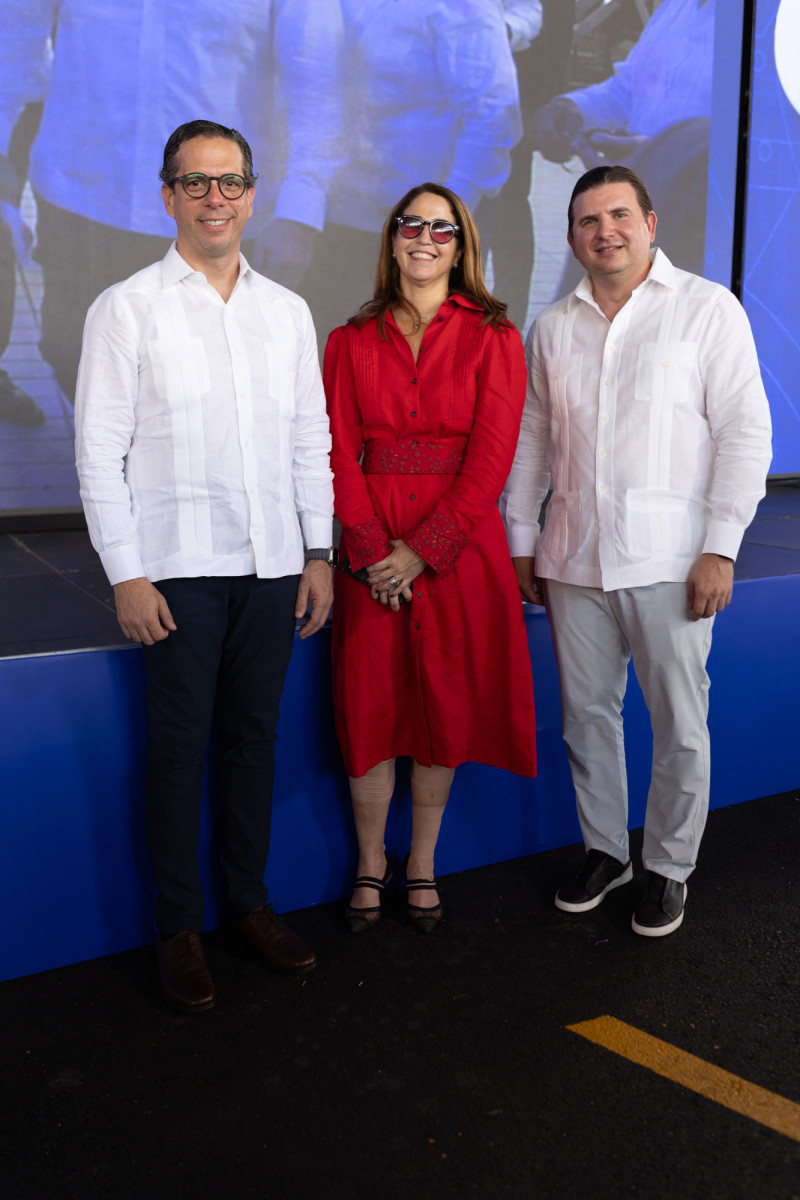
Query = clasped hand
x=403 y=566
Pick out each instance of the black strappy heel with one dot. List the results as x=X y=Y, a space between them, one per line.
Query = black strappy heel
x=425 y=920
x=361 y=919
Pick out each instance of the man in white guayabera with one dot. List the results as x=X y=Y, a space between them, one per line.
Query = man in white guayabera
x=646 y=412
x=203 y=456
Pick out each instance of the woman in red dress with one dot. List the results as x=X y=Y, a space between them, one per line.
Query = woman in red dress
x=425 y=390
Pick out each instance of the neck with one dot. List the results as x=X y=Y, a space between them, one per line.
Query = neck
x=426 y=300
x=221 y=273
x=612 y=293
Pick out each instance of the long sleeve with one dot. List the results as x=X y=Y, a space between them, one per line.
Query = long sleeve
x=739 y=420
x=307 y=52
x=105 y=418
x=25 y=55
x=366 y=536
x=666 y=77
x=311 y=473
x=442 y=536
x=478 y=74
x=529 y=478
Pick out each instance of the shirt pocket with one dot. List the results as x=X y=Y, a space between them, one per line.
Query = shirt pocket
x=666 y=371
x=663 y=524
x=181 y=374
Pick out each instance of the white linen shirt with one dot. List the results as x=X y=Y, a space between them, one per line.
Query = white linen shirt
x=202 y=437
x=654 y=429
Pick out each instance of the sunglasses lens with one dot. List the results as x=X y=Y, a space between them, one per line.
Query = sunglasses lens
x=442 y=231
x=410 y=227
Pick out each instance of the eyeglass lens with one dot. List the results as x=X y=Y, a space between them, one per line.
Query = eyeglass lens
x=441 y=231
x=198 y=185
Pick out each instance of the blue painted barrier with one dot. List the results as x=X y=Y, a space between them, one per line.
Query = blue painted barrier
x=74 y=877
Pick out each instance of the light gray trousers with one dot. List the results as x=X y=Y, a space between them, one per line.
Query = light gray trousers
x=594 y=634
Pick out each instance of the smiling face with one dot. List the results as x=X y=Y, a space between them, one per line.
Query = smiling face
x=421 y=261
x=610 y=235
x=210 y=229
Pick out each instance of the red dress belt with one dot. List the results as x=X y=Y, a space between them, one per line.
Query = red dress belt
x=414 y=457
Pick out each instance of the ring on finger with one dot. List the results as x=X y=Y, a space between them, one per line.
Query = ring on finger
x=394 y=581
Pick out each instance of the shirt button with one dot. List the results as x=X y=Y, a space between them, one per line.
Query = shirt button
x=440 y=318
x=417 y=625
x=413 y=381
x=604 y=417
x=413 y=496
x=602 y=487
x=608 y=383
x=419 y=597
x=665 y=364
x=414 y=441
x=603 y=453
x=413 y=414
x=555 y=379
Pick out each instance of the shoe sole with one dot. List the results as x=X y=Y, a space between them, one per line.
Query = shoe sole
x=660 y=930
x=177 y=1006
x=586 y=905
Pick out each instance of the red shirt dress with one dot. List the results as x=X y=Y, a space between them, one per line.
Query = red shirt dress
x=421 y=451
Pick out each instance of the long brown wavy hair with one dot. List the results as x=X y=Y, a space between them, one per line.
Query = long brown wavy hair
x=466 y=277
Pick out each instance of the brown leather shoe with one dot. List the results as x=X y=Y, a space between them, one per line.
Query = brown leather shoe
x=275 y=942
x=186 y=982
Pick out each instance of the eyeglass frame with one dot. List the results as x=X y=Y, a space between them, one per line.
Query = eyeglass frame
x=217 y=179
x=436 y=221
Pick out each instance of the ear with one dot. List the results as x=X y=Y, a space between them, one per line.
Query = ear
x=571 y=243
x=168 y=196
x=652 y=221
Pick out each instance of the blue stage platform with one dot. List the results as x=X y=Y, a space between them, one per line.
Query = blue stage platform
x=75 y=881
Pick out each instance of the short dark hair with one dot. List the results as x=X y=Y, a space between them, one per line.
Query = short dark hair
x=599 y=176
x=206 y=129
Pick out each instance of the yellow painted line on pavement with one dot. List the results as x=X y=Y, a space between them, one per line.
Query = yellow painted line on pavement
x=694 y=1073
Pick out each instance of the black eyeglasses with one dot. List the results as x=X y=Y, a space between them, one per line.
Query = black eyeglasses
x=197 y=185
x=442 y=232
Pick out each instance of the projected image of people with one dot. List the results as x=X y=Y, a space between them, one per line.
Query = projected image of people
x=430 y=92
x=348 y=104
x=652 y=115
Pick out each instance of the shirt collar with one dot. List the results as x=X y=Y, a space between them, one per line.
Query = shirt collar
x=463 y=301
x=661 y=271
x=174 y=268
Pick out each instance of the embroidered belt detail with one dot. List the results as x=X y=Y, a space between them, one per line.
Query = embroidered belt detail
x=382 y=457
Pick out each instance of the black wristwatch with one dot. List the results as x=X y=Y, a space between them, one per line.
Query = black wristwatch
x=325 y=553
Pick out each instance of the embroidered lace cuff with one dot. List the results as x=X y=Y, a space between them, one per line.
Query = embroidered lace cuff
x=367 y=543
x=439 y=542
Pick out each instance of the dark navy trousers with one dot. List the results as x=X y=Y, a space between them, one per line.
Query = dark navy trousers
x=227 y=658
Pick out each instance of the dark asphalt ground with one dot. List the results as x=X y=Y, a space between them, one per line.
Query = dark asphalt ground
x=411 y=1067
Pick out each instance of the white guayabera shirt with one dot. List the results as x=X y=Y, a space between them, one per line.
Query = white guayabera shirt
x=653 y=428
x=202 y=435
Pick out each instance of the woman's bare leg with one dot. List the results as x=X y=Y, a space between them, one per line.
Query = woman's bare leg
x=371 y=795
x=430 y=788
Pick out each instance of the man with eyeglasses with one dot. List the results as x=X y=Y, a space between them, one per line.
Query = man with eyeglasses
x=202 y=451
